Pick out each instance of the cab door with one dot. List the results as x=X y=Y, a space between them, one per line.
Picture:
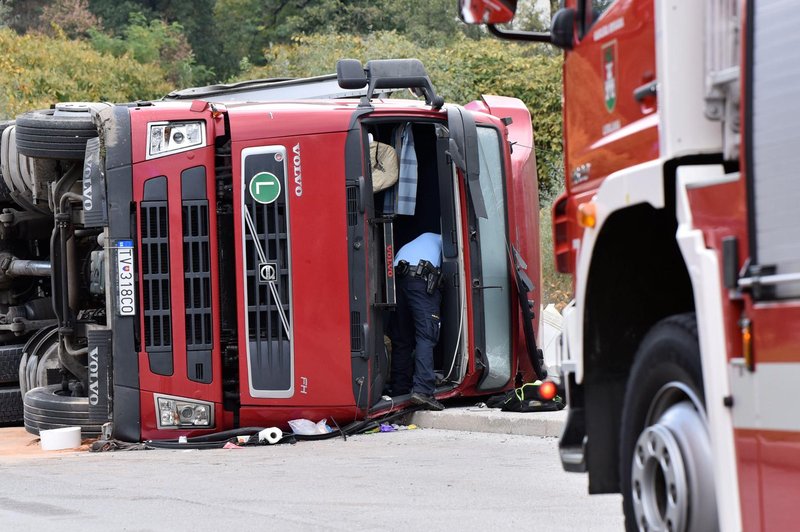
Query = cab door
x=477 y=149
x=765 y=381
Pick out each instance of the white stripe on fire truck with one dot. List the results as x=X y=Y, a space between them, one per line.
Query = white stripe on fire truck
x=764 y=399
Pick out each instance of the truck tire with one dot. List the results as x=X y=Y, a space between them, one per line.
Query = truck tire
x=47 y=407
x=10 y=405
x=59 y=133
x=10 y=355
x=666 y=470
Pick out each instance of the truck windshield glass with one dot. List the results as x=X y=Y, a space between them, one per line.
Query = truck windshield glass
x=494 y=259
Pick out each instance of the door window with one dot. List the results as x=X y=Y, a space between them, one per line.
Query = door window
x=494 y=260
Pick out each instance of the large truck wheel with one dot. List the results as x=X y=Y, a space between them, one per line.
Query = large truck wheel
x=47 y=407
x=666 y=471
x=59 y=133
x=10 y=405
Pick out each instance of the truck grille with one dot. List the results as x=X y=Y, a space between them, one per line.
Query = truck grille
x=196 y=274
x=155 y=276
x=267 y=267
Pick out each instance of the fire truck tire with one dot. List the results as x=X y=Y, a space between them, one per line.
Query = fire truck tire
x=43 y=134
x=10 y=355
x=666 y=471
x=47 y=407
x=10 y=405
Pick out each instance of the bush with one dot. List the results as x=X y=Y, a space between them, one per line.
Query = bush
x=153 y=42
x=37 y=71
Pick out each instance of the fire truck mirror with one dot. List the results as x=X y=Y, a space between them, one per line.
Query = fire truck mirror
x=562 y=28
x=487 y=11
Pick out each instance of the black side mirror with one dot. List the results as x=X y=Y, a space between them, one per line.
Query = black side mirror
x=562 y=28
x=350 y=74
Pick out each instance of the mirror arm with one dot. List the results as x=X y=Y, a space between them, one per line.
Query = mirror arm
x=517 y=35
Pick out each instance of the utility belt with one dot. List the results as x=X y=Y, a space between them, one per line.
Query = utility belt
x=425 y=270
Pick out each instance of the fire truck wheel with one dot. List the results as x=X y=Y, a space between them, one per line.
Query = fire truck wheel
x=47 y=407
x=10 y=355
x=10 y=405
x=59 y=133
x=666 y=471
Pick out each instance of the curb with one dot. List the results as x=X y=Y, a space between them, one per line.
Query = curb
x=493 y=420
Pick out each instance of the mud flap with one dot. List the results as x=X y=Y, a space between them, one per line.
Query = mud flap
x=100 y=383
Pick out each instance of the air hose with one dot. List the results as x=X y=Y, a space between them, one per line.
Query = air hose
x=219 y=439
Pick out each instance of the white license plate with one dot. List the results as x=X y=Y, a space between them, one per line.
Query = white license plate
x=126 y=300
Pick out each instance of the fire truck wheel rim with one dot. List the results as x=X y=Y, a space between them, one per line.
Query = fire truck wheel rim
x=659 y=481
x=671 y=467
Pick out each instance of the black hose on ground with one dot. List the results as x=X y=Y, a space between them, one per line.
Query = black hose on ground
x=219 y=439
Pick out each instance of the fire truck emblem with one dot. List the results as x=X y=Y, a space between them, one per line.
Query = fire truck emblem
x=267 y=272
x=609 y=52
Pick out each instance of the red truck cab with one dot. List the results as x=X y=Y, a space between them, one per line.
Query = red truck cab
x=224 y=260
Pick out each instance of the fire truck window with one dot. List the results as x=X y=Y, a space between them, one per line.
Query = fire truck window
x=601 y=5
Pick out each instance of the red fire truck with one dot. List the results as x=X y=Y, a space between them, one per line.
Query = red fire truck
x=680 y=350
x=220 y=258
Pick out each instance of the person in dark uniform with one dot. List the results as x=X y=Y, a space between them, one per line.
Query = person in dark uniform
x=416 y=322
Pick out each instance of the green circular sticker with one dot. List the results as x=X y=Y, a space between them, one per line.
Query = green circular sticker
x=265 y=187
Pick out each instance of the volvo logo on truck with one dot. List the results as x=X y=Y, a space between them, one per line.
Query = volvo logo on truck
x=298 y=176
x=94 y=385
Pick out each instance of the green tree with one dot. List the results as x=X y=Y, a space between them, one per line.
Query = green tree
x=72 y=17
x=152 y=42
x=22 y=15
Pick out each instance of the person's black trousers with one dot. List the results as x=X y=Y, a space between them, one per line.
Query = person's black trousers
x=415 y=324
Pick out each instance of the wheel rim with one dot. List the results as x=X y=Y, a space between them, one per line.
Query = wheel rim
x=659 y=481
x=672 y=475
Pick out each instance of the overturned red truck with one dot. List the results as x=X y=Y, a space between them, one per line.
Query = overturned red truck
x=220 y=259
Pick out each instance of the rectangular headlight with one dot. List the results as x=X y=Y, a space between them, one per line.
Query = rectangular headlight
x=176 y=412
x=166 y=138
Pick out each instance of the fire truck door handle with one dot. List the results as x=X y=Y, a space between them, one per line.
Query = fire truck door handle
x=645 y=91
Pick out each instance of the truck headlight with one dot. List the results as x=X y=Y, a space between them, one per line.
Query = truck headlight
x=166 y=138
x=176 y=412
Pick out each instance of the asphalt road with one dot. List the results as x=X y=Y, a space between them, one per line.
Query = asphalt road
x=412 y=480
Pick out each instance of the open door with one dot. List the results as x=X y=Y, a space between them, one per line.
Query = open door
x=478 y=152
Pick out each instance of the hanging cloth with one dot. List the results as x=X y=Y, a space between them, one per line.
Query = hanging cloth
x=402 y=199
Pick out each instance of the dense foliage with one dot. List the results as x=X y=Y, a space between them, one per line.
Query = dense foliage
x=36 y=70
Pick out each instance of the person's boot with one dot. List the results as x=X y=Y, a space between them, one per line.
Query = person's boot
x=428 y=401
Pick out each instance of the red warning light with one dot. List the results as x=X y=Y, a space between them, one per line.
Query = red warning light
x=547 y=390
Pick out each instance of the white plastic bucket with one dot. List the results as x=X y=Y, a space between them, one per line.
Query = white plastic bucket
x=63 y=438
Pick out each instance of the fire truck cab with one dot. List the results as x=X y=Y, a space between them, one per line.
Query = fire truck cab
x=221 y=259
x=680 y=349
